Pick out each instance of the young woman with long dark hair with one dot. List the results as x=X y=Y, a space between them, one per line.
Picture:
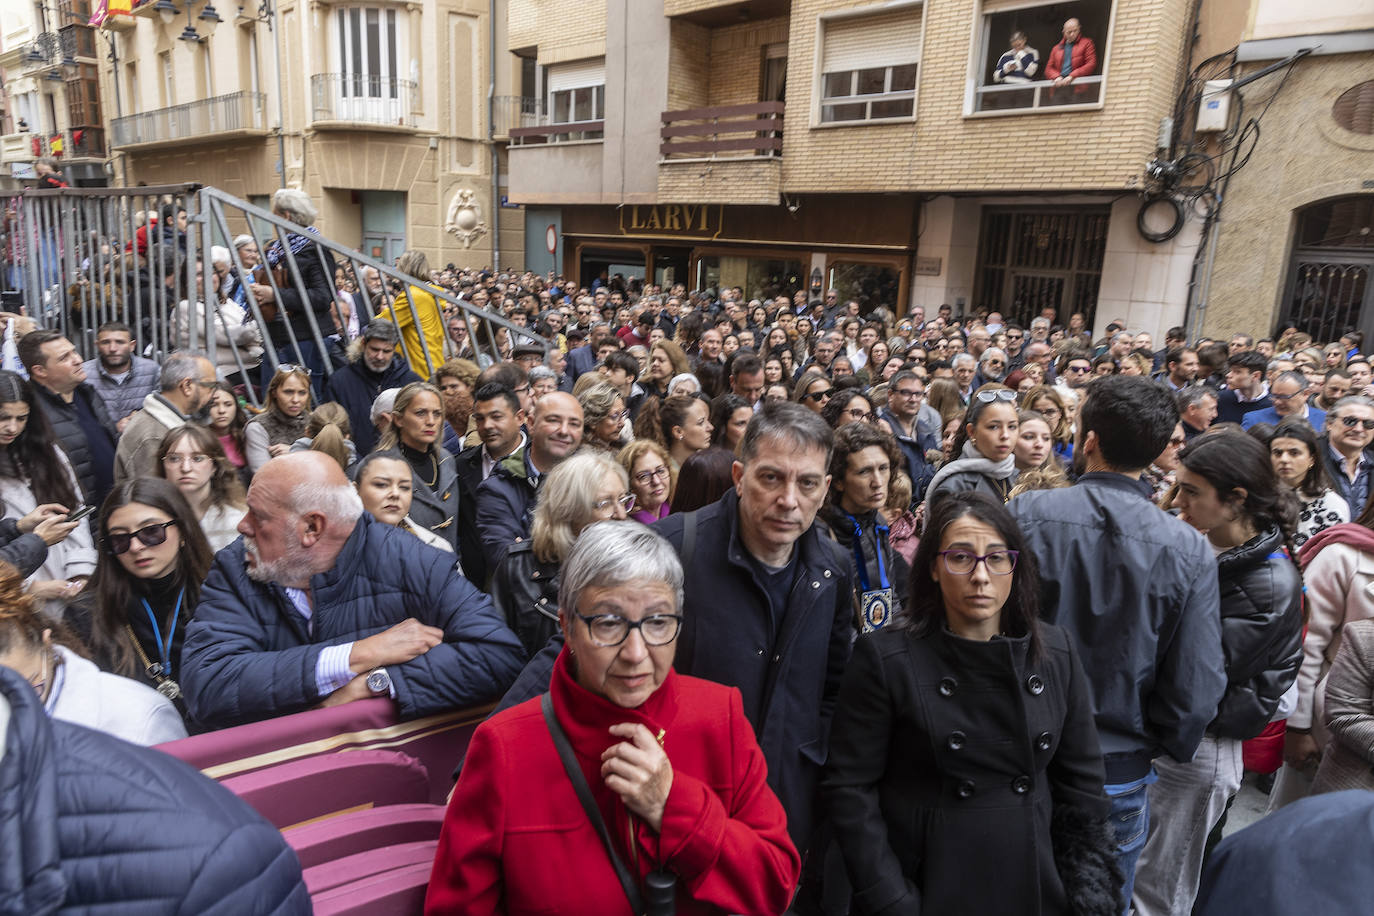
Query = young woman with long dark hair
x=1226 y=488
x=34 y=471
x=1296 y=453
x=153 y=561
x=965 y=774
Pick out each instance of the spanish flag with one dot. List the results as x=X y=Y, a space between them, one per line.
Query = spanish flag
x=121 y=7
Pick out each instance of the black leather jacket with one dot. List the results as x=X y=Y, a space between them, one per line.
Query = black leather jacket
x=525 y=590
x=1261 y=633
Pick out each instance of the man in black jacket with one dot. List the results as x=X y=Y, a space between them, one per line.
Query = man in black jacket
x=499 y=417
x=374 y=369
x=1136 y=590
x=769 y=605
x=77 y=413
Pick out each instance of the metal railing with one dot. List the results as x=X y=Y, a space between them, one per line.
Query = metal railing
x=515 y=111
x=78 y=257
x=1086 y=90
x=363 y=98
x=234 y=111
x=734 y=131
x=74 y=143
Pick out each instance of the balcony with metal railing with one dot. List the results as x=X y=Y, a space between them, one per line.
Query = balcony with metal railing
x=346 y=100
x=237 y=114
x=511 y=112
x=68 y=145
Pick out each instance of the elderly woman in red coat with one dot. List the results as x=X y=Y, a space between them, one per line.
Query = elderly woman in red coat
x=670 y=761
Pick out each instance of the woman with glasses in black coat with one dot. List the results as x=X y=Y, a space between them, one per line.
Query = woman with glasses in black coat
x=964 y=773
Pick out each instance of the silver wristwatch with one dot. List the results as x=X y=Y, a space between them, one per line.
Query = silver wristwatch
x=379 y=682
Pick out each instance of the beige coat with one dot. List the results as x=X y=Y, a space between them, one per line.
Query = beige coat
x=1340 y=589
x=1349 y=714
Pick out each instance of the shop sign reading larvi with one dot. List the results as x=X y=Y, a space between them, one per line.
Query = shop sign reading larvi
x=702 y=221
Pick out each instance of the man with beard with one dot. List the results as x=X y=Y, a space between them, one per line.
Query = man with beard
x=118 y=375
x=188 y=382
x=374 y=368
x=320 y=604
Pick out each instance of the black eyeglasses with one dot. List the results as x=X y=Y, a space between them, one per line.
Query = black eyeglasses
x=816 y=395
x=148 y=536
x=1352 y=422
x=610 y=630
x=997 y=394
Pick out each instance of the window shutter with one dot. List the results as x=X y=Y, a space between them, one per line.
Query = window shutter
x=577 y=74
x=1354 y=109
x=998 y=6
x=884 y=40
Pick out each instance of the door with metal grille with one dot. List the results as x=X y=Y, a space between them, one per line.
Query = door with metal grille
x=1033 y=259
x=1328 y=290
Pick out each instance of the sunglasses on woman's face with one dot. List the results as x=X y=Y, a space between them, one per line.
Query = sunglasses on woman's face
x=148 y=536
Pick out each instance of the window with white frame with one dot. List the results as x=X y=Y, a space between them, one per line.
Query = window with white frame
x=869 y=65
x=369 y=55
x=576 y=91
x=1015 y=51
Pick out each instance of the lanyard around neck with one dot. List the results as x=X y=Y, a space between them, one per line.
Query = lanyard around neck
x=164 y=651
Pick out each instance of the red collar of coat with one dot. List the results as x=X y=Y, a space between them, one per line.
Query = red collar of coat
x=587 y=718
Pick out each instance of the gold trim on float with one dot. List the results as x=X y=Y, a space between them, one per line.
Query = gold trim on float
x=391 y=735
x=324 y=817
x=698 y=241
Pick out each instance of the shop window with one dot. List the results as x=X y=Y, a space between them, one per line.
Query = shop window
x=759 y=277
x=871 y=285
x=869 y=66
x=1013 y=55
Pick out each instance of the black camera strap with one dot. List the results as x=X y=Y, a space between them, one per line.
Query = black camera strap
x=584 y=795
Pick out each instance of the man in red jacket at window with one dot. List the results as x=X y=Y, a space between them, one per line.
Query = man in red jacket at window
x=1072 y=58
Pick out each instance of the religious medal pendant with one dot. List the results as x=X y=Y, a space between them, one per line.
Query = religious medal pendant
x=169 y=688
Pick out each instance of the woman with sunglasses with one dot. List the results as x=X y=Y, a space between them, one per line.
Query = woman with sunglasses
x=69 y=685
x=417 y=424
x=153 y=560
x=970 y=728
x=1228 y=490
x=812 y=390
x=34 y=472
x=984 y=449
x=271 y=432
x=583 y=489
x=191 y=458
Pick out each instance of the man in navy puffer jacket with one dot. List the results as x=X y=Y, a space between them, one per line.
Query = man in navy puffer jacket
x=90 y=822
x=318 y=603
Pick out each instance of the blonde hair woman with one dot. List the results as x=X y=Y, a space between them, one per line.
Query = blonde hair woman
x=416 y=308
x=585 y=488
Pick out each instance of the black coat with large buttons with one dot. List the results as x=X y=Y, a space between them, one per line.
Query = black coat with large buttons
x=949 y=758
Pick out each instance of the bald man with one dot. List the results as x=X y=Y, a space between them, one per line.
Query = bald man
x=505 y=500
x=319 y=604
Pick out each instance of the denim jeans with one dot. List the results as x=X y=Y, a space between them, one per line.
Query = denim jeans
x=1130 y=819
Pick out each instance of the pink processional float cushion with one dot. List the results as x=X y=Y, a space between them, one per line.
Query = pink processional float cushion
x=359 y=831
x=363 y=865
x=399 y=892
x=438 y=742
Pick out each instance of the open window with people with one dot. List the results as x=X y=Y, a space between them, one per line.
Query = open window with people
x=1040 y=55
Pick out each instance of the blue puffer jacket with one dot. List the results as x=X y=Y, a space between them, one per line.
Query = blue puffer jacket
x=89 y=823
x=250 y=655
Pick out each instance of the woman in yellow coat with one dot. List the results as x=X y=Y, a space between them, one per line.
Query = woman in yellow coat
x=417 y=307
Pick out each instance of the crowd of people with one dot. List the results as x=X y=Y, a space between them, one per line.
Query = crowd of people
x=817 y=608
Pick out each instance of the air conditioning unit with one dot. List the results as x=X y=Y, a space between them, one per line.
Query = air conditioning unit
x=1214 y=112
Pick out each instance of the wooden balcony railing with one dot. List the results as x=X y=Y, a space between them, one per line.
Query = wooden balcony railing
x=729 y=131
x=562 y=132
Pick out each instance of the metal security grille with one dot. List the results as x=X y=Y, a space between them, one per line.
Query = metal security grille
x=78 y=257
x=1328 y=290
x=1032 y=259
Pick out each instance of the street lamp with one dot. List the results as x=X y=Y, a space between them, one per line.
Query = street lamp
x=209 y=18
x=167 y=10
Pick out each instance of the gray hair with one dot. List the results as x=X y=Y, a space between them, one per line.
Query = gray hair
x=566 y=502
x=1193 y=395
x=1040 y=323
x=790 y=424
x=1291 y=375
x=241 y=240
x=963 y=358
x=381 y=329
x=539 y=373
x=338 y=502
x=180 y=366
x=219 y=255
x=614 y=553
x=1351 y=400
x=991 y=352
x=385 y=403
x=295 y=205
x=683 y=377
